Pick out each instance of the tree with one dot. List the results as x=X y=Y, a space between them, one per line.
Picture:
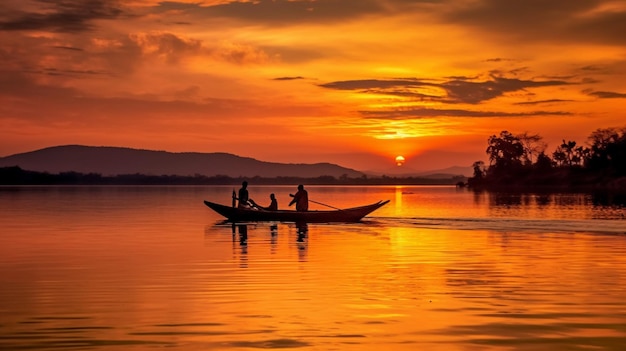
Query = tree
x=567 y=154
x=479 y=170
x=544 y=163
x=505 y=153
x=478 y=178
x=533 y=146
x=607 y=150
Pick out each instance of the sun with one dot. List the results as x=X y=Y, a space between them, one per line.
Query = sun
x=399 y=160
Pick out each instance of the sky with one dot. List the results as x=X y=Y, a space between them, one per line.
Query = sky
x=352 y=82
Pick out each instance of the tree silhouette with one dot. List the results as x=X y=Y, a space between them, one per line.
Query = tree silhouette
x=608 y=151
x=505 y=153
x=602 y=165
x=533 y=146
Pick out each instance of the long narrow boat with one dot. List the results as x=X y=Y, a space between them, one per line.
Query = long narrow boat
x=353 y=214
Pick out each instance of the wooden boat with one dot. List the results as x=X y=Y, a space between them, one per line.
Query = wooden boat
x=354 y=214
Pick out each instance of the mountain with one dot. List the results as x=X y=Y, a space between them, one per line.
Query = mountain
x=117 y=160
x=403 y=172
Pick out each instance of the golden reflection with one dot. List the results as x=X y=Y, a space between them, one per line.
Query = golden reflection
x=399 y=198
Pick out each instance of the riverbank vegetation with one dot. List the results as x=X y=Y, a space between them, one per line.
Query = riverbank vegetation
x=522 y=162
x=18 y=176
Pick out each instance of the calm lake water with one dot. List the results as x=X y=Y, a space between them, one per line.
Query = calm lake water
x=438 y=268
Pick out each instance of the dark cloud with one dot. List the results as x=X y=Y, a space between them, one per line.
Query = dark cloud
x=67 y=48
x=373 y=84
x=76 y=58
x=566 y=21
x=539 y=102
x=498 y=59
x=289 y=78
x=287 y=12
x=477 y=92
x=608 y=95
x=457 y=90
x=416 y=113
x=60 y=16
x=70 y=72
x=403 y=93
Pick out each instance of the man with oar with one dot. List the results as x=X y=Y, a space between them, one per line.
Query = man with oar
x=301 y=199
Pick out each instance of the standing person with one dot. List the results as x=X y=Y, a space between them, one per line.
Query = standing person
x=301 y=199
x=273 y=204
x=243 y=195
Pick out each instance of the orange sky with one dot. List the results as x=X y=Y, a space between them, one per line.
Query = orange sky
x=353 y=82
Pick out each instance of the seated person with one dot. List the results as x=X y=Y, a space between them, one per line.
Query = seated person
x=272 y=207
x=243 y=196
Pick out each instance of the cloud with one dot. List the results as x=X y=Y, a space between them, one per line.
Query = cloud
x=539 y=102
x=168 y=46
x=608 y=95
x=281 y=12
x=593 y=21
x=67 y=48
x=240 y=54
x=60 y=16
x=456 y=90
x=416 y=113
x=289 y=78
x=362 y=84
x=477 y=92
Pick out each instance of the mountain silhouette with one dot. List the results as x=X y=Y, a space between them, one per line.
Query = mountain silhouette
x=109 y=161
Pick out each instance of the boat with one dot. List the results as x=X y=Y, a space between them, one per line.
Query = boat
x=353 y=214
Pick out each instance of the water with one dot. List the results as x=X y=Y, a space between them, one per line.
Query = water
x=438 y=268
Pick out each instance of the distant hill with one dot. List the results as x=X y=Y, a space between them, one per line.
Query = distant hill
x=117 y=160
x=404 y=172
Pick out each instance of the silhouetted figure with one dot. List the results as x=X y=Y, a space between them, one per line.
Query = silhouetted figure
x=243 y=195
x=273 y=204
x=301 y=199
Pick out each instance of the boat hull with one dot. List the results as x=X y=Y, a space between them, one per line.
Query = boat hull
x=353 y=214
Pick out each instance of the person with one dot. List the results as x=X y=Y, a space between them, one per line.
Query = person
x=273 y=204
x=243 y=195
x=301 y=199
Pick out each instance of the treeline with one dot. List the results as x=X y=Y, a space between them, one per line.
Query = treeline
x=521 y=162
x=18 y=176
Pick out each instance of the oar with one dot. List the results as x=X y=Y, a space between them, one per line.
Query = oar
x=323 y=204
x=320 y=203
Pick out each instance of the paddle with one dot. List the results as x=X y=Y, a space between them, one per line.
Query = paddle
x=323 y=204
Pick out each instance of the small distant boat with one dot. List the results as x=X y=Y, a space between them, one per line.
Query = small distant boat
x=353 y=214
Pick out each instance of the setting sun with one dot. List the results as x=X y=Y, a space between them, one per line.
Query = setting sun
x=399 y=160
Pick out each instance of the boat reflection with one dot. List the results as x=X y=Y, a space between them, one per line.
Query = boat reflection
x=246 y=235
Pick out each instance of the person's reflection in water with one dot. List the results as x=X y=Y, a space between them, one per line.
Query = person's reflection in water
x=243 y=234
x=243 y=243
x=273 y=236
x=302 y=231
